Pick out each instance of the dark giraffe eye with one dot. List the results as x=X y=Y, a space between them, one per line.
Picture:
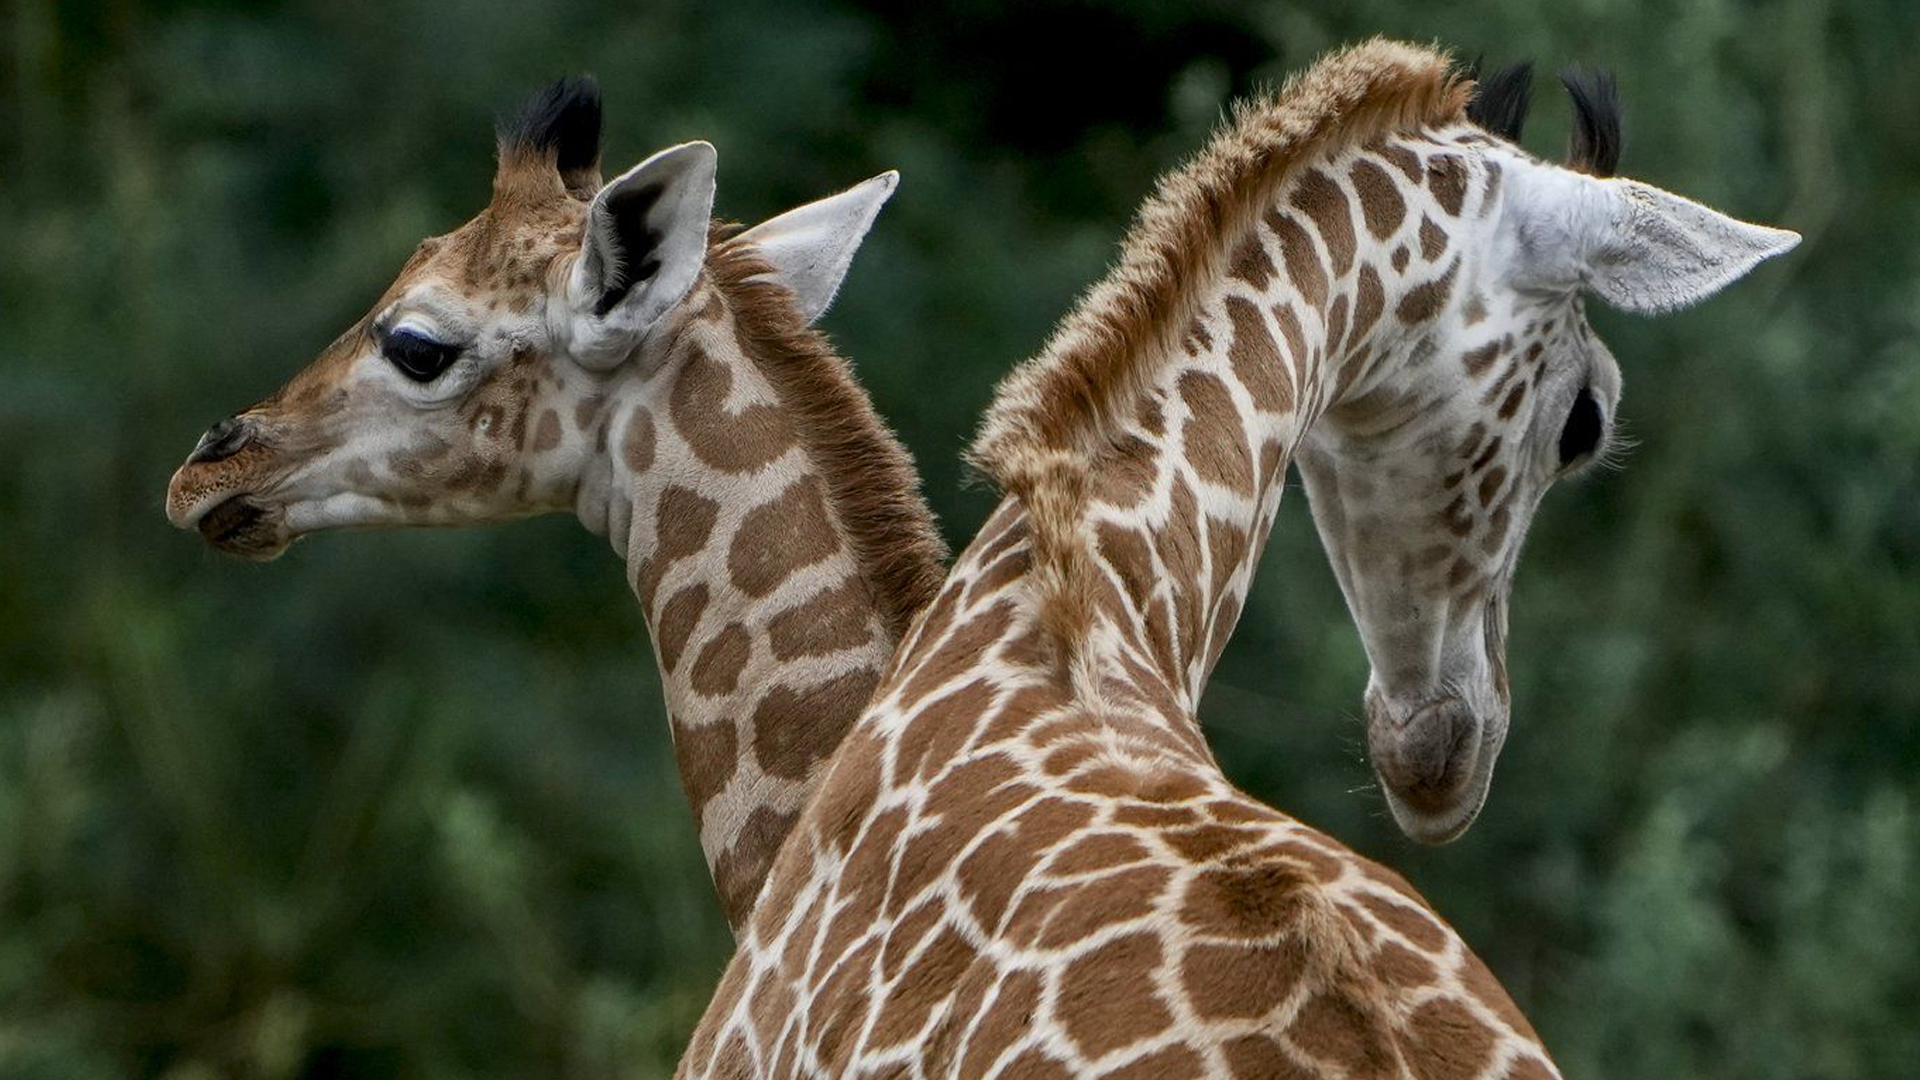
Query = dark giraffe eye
x=418 y=356
x=1581 y=436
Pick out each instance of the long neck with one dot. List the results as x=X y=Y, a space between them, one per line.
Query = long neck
x=776 y=540
x=1313 y=309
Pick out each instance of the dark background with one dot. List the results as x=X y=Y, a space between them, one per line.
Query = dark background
x=401 y=804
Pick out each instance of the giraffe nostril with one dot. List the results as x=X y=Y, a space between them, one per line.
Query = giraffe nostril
x=222 y=440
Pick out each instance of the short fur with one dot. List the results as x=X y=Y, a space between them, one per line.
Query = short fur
x=1594 y=145
x=870 y=479
x=1056 y=413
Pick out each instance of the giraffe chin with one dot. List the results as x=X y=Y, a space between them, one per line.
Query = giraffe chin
x=1435 y=766
x=241 y=527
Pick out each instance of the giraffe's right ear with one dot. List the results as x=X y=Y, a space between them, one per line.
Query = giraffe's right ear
x=644 y=244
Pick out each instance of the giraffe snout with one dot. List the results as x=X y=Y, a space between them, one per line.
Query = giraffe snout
x=1434 y=763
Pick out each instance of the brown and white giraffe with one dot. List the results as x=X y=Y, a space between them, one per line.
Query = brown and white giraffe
x=599 y=349
x=1023 y=862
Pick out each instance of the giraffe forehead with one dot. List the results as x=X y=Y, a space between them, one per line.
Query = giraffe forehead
x=502 y=259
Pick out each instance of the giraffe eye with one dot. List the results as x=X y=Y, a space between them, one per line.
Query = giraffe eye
x=1581 y=435
x=418 y=356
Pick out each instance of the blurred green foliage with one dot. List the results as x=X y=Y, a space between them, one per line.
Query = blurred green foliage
x=402 y=805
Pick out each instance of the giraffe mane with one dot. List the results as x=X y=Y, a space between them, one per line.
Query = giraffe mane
x=870 y=478
x=1052 y=416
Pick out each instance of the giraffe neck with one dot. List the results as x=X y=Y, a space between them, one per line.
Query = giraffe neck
x=1311 y=313
x=775 y=538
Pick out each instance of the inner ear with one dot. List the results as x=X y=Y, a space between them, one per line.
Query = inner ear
x=636 y=236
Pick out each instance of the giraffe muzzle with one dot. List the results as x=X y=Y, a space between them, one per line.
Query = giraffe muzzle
x=1434 y=763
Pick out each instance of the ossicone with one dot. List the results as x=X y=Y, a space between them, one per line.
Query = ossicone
x=557 y=128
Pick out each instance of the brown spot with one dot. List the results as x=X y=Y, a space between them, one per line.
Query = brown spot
x=1251 y=265
x=717 y=670
x=1380 y=201
x=1424 y=301
x=1321 y=199
x=1127 y=475
x=1240 y=982
x=1256 y=358
x=959 y=652
x=832 y=619
x=783 y=536
x=546 y=432
x=1127 y=555
x=1370 y=300
x=1215 y=440
x=1433 y=239
x=1414 y=925
x=1447 y=177
x=1254 y=901
x=935 y=734
x=727 y=441
x=1496 y=530
x=1454 y=1044
x=742 y=869
x=1304 y=269
x=1007 y=1020
x=683 y=521
x=1403 y=159
x=1491 y=483
x=1336 y=326
x=1107 y=1000
x=636 y=449
x=1098 y=851
x=708 y=755
x=1401 y=257
x=1488 y=196
x=676 y=622
x=1339 y=1028
x=1089 y=907
x=1476 y=309
x=792 y=729
x=932 y=977
x=1256 y=1057
x=1401 y=967
x=1480 y=359
x=1514 y=398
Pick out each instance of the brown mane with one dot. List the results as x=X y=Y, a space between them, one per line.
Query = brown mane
x=870 y=479
x=1055 y=413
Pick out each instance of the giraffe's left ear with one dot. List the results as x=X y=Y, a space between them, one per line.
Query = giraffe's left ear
x=644 y=244
x=1635 y=246
x=811 y=246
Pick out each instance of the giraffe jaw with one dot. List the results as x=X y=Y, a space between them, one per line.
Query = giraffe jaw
x=241 y=526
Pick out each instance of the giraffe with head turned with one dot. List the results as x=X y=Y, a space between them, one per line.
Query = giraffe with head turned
x=603 y=348
x=1023 y=862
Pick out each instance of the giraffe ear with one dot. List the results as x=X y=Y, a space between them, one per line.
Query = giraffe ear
x=1633 y=245
x=644 y=244
x=1666 y=252
x=811 y=246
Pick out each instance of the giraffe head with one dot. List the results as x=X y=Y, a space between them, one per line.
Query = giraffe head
x=469 y=392
x=1427 y=468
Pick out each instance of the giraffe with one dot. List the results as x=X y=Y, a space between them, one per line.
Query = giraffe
x=604 y=349
x=1023 y=861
